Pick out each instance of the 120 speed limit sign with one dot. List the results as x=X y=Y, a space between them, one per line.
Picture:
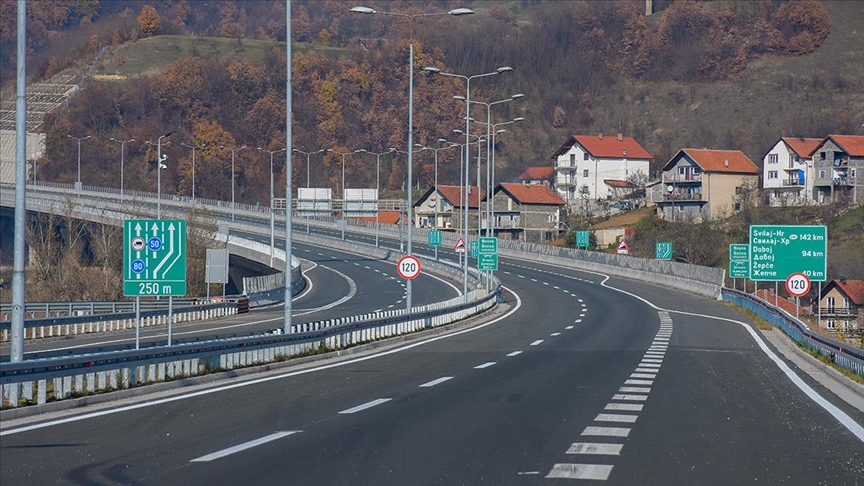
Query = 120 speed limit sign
x=798 y=284
x=408 y=267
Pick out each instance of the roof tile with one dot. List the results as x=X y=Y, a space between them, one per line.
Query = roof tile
x=611 y=147
x=532 y=194
x=732 y=161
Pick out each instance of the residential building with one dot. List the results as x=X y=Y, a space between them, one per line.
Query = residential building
x=448 y=200
x=840 y=304
x=528 y=212
x=588 y=166
x=787 y=171
x=837 y=165
x=542 y=175
x=703 y=184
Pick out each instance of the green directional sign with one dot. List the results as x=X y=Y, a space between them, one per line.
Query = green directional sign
x=474 y=249
x=435 y=239
x=663 y=250
x=583 y=238
x=488 y=246
x=154 y=257
x=777 y=251
x=487 y=262
x=739 y=261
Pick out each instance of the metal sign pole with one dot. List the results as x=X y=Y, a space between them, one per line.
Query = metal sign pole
x=797 y=303
x=137 y=322
x=819 y=307
x=775 y=293
x=170 y=316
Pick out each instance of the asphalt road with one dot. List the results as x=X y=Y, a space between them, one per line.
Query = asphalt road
x=576 y=381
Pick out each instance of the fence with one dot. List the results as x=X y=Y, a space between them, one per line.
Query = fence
x=842 y=354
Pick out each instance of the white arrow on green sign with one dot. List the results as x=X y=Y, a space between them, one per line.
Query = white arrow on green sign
x=159 y=267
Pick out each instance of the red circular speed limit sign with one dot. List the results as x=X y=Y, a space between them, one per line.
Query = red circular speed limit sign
x=798 y=284
x=408 y=267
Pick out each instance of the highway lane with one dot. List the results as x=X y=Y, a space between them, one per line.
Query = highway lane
x=501 y=405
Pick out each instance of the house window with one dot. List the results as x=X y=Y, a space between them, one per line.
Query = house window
x=550 y=218
x=736 y=206
x=821 y=155
x=585 y=156
x=572 y=160
x=776 y=193
x=852 y=172
x=772 y=174
x=585 y=173
x=772 y=158
x=821 y=174
x=829 y=323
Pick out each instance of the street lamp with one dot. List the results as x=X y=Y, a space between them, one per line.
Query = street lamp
x=377 y=187
x=434 y=70
x=411 y=18
x=307 y=154
x=193 y=147
x=435 y=185
x=272 y=212
x=233 y=149
x=79 y=139
x=122 y=159
x=479 y=142
x=344 y=202
x=159 y=166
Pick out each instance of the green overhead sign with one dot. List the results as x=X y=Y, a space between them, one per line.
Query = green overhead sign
x=777 y=251
x=154 y=257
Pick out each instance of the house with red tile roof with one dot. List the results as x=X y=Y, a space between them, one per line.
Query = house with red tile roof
x=585 y=164
x=787 y=171
x=838 y=163
x=703 y=184
x=542 y=175
x=840 y=304
x=527 y=212
x=441 y=207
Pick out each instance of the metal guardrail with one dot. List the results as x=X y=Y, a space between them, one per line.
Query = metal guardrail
x=36 y=310
x=842 y=354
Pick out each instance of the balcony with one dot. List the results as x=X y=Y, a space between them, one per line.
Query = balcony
x=565 y=181
x=837 y=312
x=676 y=197
x=792 y=182
x=668 y=177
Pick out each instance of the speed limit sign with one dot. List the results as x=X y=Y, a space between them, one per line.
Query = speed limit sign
x=408 y=267
x=798 y=284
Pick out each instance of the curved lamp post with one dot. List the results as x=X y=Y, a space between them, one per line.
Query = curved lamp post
x=193 y=147
x=272 y=212
x=233 y=149
x=122 y=159
x=79 y=139
x=377 y=187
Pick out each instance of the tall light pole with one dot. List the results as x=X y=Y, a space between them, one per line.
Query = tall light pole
x=272 y=196
x=411 y=18
x=307 y=154
x=122 y=159
x=479 y=141
x=193 y=147
x=233 y=149
x=377 y=187
x=467 y=79
x=79 y=139
x=344 y=201
x=435 y=185
x=159 y=166
x=407 y=220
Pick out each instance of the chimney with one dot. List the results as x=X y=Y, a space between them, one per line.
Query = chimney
x=624 y=152
x=843 y=279
x=620 y=137
x=600 y=136
x=649 y=7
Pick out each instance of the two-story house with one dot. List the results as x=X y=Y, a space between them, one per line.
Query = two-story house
x=542 y=175
x=703 y=184
x=528 y=212
x=840 y=304
x=837 y=165
x=787 y=171
x=441 y=207
x=589 y=166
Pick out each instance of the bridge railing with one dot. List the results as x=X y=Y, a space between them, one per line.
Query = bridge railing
x=842 y=354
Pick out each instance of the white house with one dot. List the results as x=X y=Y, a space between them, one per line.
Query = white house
x=592 y=166
x=787 y=171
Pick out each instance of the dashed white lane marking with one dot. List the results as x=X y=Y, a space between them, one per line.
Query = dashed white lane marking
x=485 y=365
x=535 y=343
x=514 y=353
x=607 y=431
x=580 y=471
x=371 y=404
x=595 y=448
x=643 y=375
x=624 y=407
x=635 y=398
x=556 y=287
x=569 y=327
x=546 y=283
x=634 y=389
x=639 y=382
x=244 y=446
x=555 y=334
x=651 y=360
x=436 y=382
x=582 y=315
x=533 y=279
x=645 y=370
x=614 y=417
x=645 y=364
x=577 y=321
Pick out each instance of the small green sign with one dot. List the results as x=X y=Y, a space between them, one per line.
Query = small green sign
x=739 y=253
x=474 y=249
x=487 y=262
x=778 y=251
x=583 y=238
x=663 y=250
x=489 y=246
x=154 y=257
x=739 y=269
x=435 y=239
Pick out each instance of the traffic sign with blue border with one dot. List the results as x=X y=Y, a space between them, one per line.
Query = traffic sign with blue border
x=159 y=268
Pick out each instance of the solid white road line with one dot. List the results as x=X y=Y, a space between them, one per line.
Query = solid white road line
x=244 y=446
x=436 y=382
x=596 y=472
x=628 y=407
x=365 y=406
x=595 y=448
x=607 y=431
x=614 y=417
x=485 y=365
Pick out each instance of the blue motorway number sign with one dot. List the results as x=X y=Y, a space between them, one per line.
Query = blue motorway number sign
x=154 y=257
